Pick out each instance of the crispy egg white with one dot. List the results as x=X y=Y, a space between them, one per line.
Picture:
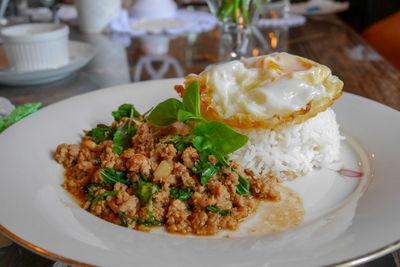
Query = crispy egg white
x=266 y=91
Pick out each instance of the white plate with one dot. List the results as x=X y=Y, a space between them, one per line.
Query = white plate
x=79 y=55
x=339 y=225
x=318 y=7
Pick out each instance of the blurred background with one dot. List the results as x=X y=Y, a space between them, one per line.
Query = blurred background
x=128 y=51
x=375 y=20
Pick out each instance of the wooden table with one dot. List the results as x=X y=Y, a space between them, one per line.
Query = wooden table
x=324 y=39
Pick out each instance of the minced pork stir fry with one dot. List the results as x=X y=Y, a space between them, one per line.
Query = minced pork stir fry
x=169 y=168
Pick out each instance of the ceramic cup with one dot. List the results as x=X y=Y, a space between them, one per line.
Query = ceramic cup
x=36 y=46
x=95 y=15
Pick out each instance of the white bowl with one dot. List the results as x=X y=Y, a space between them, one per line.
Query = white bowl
x=36 y=46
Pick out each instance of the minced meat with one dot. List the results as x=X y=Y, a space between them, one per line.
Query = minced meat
x=157 y=168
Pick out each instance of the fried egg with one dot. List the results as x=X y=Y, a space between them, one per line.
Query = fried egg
x=266 y=91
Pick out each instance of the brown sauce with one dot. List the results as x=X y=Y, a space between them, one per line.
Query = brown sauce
x=276 y=216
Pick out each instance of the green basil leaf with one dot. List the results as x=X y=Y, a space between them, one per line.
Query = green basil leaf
x=243 y=188
x=220 y=211
x=208 y=171
x=198 y=167
x=101 y=133
x=145 y=223
x=182 y=146
x=123 y=111
x=143 y=177
x=181 y=142
x=98 y=161
x=177 y=139
x=123 y=136
x=224 y=160
x=143 y=190
x=201 y=143
x=17 y=114
x=123 y=218
x=151 y=220
x=112 y=176
x=223 y=139
x=204 y=154
x=102 y=197
x=191 y=99
x=184 y=115
x=165 y=113
x=91 y=191
x=181 y=193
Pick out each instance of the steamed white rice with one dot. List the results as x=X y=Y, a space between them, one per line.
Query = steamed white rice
x=290 y=151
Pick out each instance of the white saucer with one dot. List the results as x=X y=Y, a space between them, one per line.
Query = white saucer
x=319 y=7
x=79 y=55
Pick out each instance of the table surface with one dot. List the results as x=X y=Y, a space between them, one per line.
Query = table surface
x=121 y=59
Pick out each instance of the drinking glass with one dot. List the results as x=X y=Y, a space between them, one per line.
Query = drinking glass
x=237 y=24
x=54 y=6
x=275 y=9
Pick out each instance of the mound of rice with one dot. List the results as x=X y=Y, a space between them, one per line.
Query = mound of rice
x=291 y=151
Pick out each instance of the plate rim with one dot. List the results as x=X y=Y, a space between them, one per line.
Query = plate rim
x=369 y=256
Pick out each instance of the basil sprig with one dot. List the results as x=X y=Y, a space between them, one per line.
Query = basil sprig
x=101 y=133
x=243 y=188
x=102 y=197
x=123 y=136
x=91 y=191
x=123 y=111
x=165 y=113
x=208 y=170
x=144 y=191
x=112 y=176
x=181 y=142
x=208 y=137
x=217 y=210
x=181 y=193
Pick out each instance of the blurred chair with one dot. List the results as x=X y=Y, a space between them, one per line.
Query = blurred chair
x=384 y=37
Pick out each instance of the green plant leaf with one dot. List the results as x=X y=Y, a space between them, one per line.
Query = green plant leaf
x=17 y=114
x=112 y=176
x=222 y=138
x=91 y=191
x=181 y=142
x=235 y=8
x=191 y=99
x=208 y=171
x=101 y=133
x=243 y=188
x=143 y=190
x=217 y=210
x=181 y=193
x=102 y=197
x=123 y=218
x=245 y=10
x=201 y=143
x=165 y=113
x=123 y=136
x=226 y=12
x=123 y=111
x=184 y=115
